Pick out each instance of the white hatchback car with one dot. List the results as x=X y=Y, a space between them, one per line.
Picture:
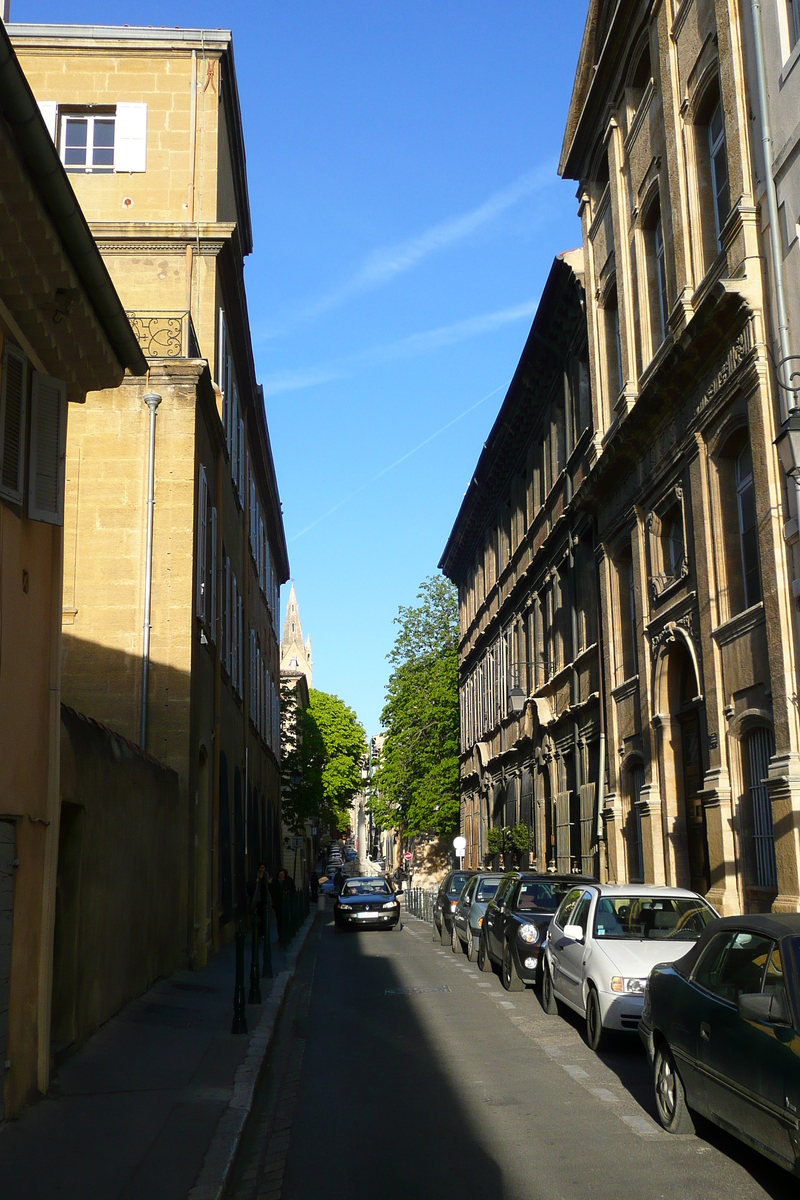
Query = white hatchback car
x=603 y=942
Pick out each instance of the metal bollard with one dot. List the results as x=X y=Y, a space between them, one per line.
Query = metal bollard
x=254 y=996
x=267 y=969
x=239 y=1015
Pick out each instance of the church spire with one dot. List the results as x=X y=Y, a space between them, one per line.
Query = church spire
x=295 y=655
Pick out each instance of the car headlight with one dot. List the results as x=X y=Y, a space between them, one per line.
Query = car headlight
x=529 y=933
x=633 y=987
x=346 y=907
x=480 y=922
x=390 y=904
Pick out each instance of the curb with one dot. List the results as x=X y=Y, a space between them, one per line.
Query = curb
x=221 y=1154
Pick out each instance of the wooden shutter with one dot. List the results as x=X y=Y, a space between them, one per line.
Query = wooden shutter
x=240 y=644
x=48 y=449
x=226 y=604
x=49 y=111
x=214 y=575
x=130 y=137
x=562 y=833
x=13 y=392
x=587 y=795
x=240 y=480
x=202 y=541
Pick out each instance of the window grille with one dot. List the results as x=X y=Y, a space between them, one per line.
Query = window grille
x=759 y=748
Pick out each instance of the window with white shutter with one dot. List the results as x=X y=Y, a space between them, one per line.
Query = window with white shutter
x=222 y=364
x=130 y=151
x=214 y=575
x=49 y=111
x=202 y=541
x=13 y=393
x=48 y=450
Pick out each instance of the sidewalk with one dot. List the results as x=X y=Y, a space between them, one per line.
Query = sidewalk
x=152 y=1105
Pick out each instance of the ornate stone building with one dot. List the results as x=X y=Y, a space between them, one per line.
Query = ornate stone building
x=699 y=662
x=522 y=556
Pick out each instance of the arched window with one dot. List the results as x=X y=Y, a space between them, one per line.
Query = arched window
x=655 y=275
x=634 y=782
x=711 y=158
x=758 y=747
x=627 y=662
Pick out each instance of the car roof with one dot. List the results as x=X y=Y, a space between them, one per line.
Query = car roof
x=550 y=877
x=776 y=925
x=366 y=879
x=643 y=889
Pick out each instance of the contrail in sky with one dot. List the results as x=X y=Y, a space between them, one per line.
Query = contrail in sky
x=387 y=262
x=396 y=463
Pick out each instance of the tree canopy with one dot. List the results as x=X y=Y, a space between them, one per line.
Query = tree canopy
x=417 y=782
x=323 y=748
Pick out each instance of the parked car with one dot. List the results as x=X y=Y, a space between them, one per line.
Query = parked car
x=516 y=922
x=367 y=903
x=722 y=1026
x=604 y=941
x=468 y=915
x=447 y=898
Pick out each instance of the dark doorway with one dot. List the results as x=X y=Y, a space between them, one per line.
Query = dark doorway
x=692 y=764
x=67 y=928
x=225 y=889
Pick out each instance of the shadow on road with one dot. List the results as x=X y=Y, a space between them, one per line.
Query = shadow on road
x=376 y=1113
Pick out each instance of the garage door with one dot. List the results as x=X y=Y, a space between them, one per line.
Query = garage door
x=6 y=913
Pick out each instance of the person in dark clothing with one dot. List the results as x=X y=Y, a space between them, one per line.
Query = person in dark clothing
x=338 y=881
x=286 y=882
x=313 y=883
x=261 y=898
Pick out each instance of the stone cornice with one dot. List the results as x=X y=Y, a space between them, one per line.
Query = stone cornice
x=162 y=237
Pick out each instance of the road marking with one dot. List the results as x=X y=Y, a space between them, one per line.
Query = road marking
x=575 y=1072
x=644 y=1127
x=485 y=985
x=507 y=1004
x=604 y=1094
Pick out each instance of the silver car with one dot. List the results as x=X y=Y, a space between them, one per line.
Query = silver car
x=603 y=943
x=468 y=915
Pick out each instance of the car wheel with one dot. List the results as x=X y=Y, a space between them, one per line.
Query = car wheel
x=436 y=932
x=455 y=940
x=673 y=1111
x=595 y=1034
x=549 y=1002
x=445 y=936
x=509 y=977
x=470 y=947
x=484 y=962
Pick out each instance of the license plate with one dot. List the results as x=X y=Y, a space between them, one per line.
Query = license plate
x=368 y=916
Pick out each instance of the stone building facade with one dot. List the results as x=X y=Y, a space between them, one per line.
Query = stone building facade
x=148 y=125
x=522 y=556
x=699 y=655
x=63 y=330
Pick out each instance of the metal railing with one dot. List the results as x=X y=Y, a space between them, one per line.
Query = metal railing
x=165 y=334
x=420 y=902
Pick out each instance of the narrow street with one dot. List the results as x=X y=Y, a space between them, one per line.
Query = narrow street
x=400 y=1070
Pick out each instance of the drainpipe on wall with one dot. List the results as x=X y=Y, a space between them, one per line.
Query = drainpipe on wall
x=152 y=400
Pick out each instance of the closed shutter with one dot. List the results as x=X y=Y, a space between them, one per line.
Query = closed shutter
x=48 y=449
x=563 y=864
x=222 y=363
x=49 y=111
x=130 y=138
x=202 y=541
x=213 y=575
x=13 y=392
x=226 y=606
x=760 y=748
x=587 y=794
x=240 y=481
x=7 y=855
x=240 y=646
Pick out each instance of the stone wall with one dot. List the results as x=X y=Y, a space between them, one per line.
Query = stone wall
x=118 y=925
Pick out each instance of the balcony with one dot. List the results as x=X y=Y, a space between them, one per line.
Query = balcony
x=165 y=334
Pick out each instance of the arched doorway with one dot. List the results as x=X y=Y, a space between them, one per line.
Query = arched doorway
x=680 y=706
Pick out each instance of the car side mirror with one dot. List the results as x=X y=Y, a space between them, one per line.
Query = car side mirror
x=764 y=1007
x=574 y=932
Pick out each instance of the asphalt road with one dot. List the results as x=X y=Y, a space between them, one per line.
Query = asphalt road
x=400 y=1071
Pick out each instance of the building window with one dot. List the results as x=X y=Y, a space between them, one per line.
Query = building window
x=758 y=747
x=667 y=543
x=627 y=664
x=718 y=157
x=633 y=824
x=87 y=141
x=740 y=567
x=660 y=281
x=793 y=21
x=748 y=531
x=654 y=276
x=613 y=346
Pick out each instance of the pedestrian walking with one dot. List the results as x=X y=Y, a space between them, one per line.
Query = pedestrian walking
x=338 y=881
x=313 y=883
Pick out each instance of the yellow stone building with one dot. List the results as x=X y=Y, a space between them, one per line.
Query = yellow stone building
x=171 y=639
x=62 y=330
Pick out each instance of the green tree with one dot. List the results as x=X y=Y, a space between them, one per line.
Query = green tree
x=323 y=748
x=417 y=782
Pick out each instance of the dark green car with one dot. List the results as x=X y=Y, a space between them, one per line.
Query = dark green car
x=722 y=1030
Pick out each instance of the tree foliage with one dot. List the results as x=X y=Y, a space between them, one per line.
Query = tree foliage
x=417 y=782
x=323 y=748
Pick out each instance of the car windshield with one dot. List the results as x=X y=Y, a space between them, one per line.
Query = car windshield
x=457 y=883
x=541 y=896
x=651 y=918
x=366 y=887
x=486 y=889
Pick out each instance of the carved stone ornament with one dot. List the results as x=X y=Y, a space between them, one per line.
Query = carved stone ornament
x=667 y=634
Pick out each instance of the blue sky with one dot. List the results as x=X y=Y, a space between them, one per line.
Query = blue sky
x=406 y=210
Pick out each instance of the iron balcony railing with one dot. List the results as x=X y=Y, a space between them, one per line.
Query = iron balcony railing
x=165 y=334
